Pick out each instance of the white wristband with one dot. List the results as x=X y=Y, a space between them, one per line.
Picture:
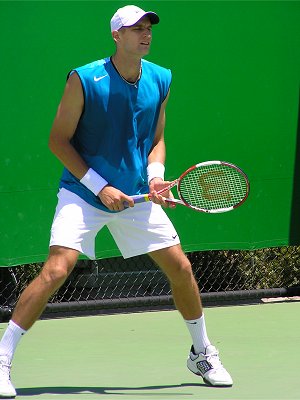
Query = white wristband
x=93 y=181
x=156 y=170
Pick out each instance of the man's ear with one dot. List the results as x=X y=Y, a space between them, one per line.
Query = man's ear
x=116 y=36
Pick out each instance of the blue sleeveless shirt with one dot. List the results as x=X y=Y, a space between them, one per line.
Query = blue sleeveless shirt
x=116 y=129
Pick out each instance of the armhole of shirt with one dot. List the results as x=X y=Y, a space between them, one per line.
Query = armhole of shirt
x=168 y=90
x=82 y=86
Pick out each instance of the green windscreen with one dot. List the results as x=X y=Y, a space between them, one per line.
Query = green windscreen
x=234 y=97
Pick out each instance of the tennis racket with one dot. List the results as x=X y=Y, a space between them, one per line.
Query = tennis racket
x=210 y=187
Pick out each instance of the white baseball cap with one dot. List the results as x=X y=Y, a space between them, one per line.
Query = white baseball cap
x=130 y=15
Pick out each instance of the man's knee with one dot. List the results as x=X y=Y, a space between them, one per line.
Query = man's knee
x=182 y=273
x=58 y=266
x=54 y=274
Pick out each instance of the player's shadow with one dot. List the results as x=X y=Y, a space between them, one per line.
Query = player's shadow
x=109 y=391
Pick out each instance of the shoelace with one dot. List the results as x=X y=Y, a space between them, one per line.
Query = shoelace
x=4 y=370
x=214 y=360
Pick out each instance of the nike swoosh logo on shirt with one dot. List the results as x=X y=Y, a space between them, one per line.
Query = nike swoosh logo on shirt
x=97 y=79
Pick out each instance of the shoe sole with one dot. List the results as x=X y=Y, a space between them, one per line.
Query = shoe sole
x=207 y=382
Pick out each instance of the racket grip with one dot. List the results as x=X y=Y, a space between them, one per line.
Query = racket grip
x=138 y=198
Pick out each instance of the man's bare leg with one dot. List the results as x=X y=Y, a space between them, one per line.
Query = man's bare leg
x=204 y=358
x=176 y=266
x=30 y=306
x=34 y=298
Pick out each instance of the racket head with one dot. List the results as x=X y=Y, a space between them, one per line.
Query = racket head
x=213 y=187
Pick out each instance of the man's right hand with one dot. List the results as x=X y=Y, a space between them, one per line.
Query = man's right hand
x=114 y=199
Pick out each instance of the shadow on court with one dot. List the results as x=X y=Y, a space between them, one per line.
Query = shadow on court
x=64 y=390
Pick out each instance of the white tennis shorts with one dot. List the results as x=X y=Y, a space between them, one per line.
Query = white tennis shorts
x=138 y=230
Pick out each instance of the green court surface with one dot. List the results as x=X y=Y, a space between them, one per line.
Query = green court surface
x=142 y=356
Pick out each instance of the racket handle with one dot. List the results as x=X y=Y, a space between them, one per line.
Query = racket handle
x=138 y=198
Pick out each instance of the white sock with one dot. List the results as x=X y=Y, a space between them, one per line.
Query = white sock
x=198 y=333
x=10 y=339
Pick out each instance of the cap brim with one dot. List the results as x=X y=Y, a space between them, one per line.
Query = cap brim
x=154 y=19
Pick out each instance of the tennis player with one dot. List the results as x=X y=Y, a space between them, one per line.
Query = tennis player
x=109 y=135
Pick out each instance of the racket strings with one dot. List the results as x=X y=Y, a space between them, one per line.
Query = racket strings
x=213 y=187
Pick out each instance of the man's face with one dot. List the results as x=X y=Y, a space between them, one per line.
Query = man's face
x=137 y=39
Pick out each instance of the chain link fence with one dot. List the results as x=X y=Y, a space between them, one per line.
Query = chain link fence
x=116 y=283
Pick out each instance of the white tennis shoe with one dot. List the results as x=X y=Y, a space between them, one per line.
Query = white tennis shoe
x=208 y=365
x=7 y=391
